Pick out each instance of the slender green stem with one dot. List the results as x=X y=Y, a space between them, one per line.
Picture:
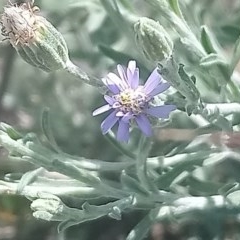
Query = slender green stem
x=83 y=76
x=119 y=147
x=141 y=164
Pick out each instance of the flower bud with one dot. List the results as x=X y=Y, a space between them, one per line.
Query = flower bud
x=153 y=40
x=48 y=207
x=34 y=38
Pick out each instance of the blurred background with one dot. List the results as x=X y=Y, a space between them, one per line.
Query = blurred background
x=96 y=43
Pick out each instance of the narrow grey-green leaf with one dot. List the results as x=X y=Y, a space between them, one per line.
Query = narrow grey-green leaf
x=165 y=180
x=234 y=197
x=28 y=178
x=127 y=4
x=133 y=185
x=119 y=147
x=198 y=186
x=120 y=57
x=235 y=56
x=229 y=188
x=188 y=84
x=175 y=7
x=12 y=133
x=113 y=11
x=46 y=128
x=212 y=59
x=141 y=230
x=206 y=40
x=65 y=225
x=13 y=177
x=75 y=172
x=216 y=158
x=115 y=55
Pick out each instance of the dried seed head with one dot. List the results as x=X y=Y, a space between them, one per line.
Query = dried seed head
x=20 y=23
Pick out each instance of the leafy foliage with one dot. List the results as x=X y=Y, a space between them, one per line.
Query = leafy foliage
x=73 y=175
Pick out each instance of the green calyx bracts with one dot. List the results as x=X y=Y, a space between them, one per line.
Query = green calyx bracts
x=34 y=38
x=153 y=40
x=48 y=51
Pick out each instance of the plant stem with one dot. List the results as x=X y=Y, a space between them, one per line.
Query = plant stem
x=84 y=77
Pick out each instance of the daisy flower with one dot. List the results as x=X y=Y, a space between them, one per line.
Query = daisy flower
x=128 y=101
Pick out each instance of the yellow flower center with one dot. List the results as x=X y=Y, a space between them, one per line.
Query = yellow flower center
x=133 y=101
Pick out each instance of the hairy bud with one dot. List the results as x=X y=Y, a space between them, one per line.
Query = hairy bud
x=34 y=38
x=153 y=40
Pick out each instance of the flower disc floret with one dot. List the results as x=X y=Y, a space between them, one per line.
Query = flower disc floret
x=133 y=101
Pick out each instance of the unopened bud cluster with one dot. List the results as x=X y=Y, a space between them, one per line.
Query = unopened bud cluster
x=34 y=38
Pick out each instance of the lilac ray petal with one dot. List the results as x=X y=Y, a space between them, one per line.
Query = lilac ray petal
x=122 y=75
x=109 y=122
x=159 y=89
x=135 y=79
x=152 y=82
x=144 y=124
x=111 y=86
x=132 y=66
x=161 y=111
x=127 y=117
x=123 y=131
x=109 y=100
x=130 y=70
x=101 y=110
x=116 y=80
